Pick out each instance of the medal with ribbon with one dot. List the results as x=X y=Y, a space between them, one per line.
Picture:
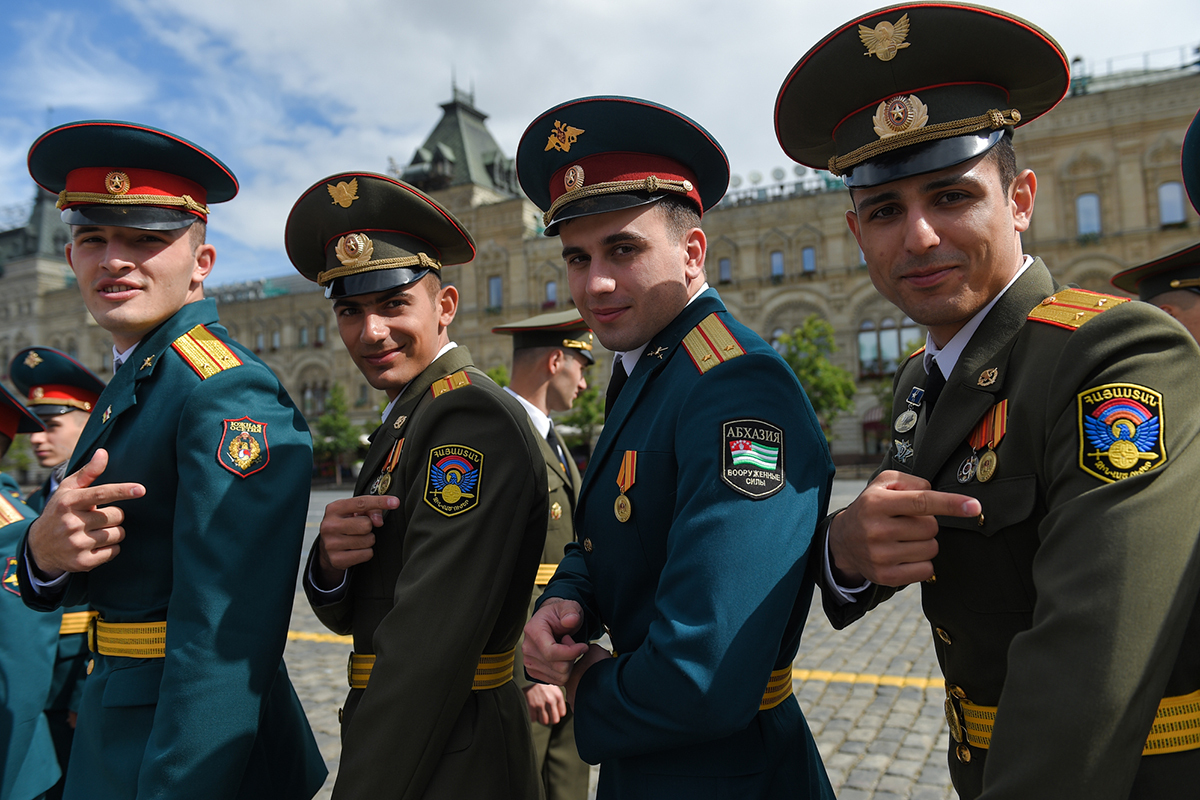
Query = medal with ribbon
x=987 y=433
x=905 y=422
x=625 y=478
x=384 y=481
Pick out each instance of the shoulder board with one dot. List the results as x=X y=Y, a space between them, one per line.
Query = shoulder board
x=205 y=353
x=916 y=353
x=8 y=512
x=1070 y=308
x=450 y=383
x=711 y=343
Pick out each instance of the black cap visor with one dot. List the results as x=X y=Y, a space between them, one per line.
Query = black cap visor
x=921 y=158
x=380 y=280
x=602 y=204
x=146 y=218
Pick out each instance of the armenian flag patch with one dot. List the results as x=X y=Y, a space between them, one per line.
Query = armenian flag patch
x=1120 y=431
x=10 y=576
x=752 y=457
x=243 y=449
x=454 y=481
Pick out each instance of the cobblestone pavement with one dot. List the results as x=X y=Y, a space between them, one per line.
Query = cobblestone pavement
x=872 y=693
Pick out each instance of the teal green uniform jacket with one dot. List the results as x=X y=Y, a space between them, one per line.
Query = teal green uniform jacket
x=448 y=581
x=1072 y=607
x=28 y=642
x=212 y=548
x=703 y=589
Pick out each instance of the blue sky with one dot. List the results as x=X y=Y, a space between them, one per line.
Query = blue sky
x=286 y=93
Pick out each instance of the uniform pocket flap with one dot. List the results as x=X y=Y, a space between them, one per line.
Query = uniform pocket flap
x=134 y=686
x=1005 y=501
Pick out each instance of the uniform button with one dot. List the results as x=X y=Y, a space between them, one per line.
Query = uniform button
x=932 y=578
x=587 y=545
x=941 y=634
x=955 y=691
x=339 y=716
x=964 y=754
x=91 y=666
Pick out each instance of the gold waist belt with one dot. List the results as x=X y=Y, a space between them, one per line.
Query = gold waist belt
x=779 y=688
x=76 y=622
x=1176 y=725
x=128 y=639
x=544 y=574
x=493 y=670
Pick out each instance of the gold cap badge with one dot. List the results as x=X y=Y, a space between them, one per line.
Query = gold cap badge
x=116 y=183
x=899 y=114
x=33 y=359
x=886 y=39
x=354 y=249
x=574 y=178
x=38 y=393
x=562 y=137
x=343 y=193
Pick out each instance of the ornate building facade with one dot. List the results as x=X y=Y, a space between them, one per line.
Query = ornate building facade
x=1110 y=196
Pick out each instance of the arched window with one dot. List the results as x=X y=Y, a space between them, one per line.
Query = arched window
x=495 y=286
x=275 y=340
x=889 y=345
x=1087 y=214
x=303 y=337
x=551 y=294
x=258 y=342
x=868 y=350
x=725 y=270
x=320 y=337
x=882 y=347
x=808 y=259
x=1170 y=204
x=776 y=264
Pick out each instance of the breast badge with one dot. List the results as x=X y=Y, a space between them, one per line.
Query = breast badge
x=10 y=576
x=243 y=449
x=752 y=457
x=454 y=481
x=1120 y=431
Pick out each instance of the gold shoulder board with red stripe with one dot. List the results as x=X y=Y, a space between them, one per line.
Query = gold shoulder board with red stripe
x=916 y=353
x=450 y=383
x=8 y=512
x=710 y=343
x=1070 y=308
x=205 y=353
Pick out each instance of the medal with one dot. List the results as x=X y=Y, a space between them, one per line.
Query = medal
x=988 y=432
x=907 y=420
x=966 y=470
x=987 y=466
x=384 y=481
x=625 y=478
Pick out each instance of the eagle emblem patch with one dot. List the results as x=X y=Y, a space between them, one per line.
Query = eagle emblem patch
x=1120 y=431
x=454 y=480
x=10 y=576
x=752 y=457
x=243 y=449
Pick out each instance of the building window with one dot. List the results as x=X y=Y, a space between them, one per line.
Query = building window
x=258 y=342
x=275 y=340
x=776 y=265
x=882 y=347
x=364 y=395
x=319 y=340
x=808 y=259
x=1170 y=204
x=725 y=270
x=495 y=293
x=551 y=295
x=303 y=338
x=1087 y=215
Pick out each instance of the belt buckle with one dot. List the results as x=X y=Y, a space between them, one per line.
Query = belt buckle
x=350 y=670
x=92 y=633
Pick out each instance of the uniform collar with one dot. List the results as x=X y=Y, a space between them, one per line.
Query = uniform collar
x=387 y=410
x=629 y=358
x=541 y=422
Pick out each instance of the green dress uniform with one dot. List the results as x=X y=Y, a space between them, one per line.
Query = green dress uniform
x=212 y=550
x=447 y=585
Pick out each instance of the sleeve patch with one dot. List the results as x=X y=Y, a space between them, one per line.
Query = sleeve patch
x=752 y=457
x=455 y=479
x=1120 y=431
x=243 y=449
x=710 y=343
x=205 y=353
x=10 y=576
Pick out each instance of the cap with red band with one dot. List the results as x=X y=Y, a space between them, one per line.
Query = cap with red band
x=54 y=382
x=14 y=417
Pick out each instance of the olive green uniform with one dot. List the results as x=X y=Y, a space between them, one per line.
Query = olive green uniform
x=1070 y=604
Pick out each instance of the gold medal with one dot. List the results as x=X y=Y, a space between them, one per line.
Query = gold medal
x=987 y=466
x=988 y=432
x=625 y=479
x=622 y=508
x=385 y=481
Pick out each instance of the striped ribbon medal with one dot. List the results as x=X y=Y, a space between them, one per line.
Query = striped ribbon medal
x=625 y=478
x=987 y=433
x=384 y=481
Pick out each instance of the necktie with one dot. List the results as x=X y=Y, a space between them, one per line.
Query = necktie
x=553 y=442
x=117 y=362
x=934 y=384
x=618 y=379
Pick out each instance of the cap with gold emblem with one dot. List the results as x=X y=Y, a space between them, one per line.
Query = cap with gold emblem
x=128 y=175
x=53 y=382
x=915 y=88
x=600 y=154
x=360 y=232
x=14 y=417
x=560 y=329
x=1190 y=161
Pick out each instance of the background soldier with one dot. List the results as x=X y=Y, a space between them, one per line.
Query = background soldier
x=199 y=455
x=700 y=500
x=62 y=393
x=28 y=641
x=430 y=564
x=1059 y=554
x=550 y=354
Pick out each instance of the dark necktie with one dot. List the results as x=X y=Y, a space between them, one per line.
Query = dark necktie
x=552 y=440
x=934 y=384
x=618 y=379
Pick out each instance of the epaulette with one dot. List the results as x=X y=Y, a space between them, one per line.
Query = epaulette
x=1070 y=308
x=450 y=383
x=915 y=353
x=711 y=343
x=8 y=512
x=205 y=353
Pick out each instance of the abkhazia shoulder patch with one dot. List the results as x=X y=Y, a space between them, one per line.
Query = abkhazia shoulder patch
x=752 y=457
x=455 y=479
x=243 y=449
x=1120 y=431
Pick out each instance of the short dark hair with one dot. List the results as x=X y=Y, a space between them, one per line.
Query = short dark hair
x=680 y=215
x=1004 y=156
x=196 y=233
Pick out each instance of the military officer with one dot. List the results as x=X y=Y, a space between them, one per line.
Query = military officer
x=28 y=642
x=1173 y=282
x=429 y=566
x=699 y=503
x=61 y=392
x=182 y=515
x=550 y=354
x=1041 y=479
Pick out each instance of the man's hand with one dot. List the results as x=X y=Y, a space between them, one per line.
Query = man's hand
x=347 y=535
x=78 y=531
x=546 y=703
x=548 y=649
x=595 y=653
x=889 y=535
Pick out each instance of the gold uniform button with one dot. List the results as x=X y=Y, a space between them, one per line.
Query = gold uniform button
x=941 y=634
x=587 y=545
x=339 y=716
x=91 y=665
x=964 y=754
x=932 y=578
